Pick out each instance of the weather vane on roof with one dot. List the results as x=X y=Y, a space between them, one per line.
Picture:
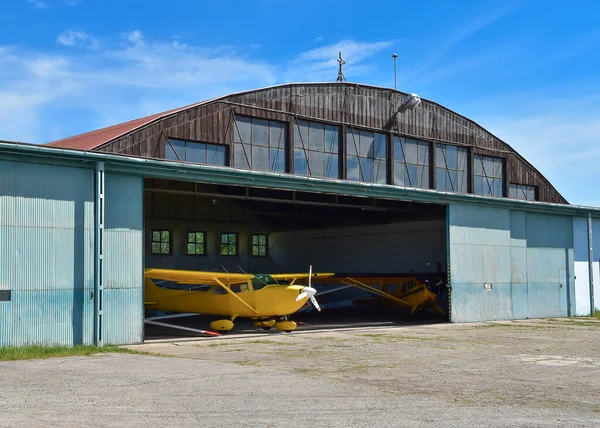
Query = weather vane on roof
x=340 y=77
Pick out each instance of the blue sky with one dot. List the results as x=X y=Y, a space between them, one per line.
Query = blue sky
x=525 y=70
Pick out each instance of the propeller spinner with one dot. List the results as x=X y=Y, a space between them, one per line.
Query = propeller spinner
x=310 y=292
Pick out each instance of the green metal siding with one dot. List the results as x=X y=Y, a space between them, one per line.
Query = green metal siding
x=46 y=254
x=526 y=257
x=123 y=260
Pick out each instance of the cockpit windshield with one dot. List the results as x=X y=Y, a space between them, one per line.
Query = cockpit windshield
x=262 y=280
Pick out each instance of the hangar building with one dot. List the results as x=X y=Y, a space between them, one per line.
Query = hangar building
x=347 y=177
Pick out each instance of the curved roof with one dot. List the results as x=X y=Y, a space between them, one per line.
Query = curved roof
x=372 y=108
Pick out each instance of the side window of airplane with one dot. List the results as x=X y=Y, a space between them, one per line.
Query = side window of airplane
x=238 y=288
x=219 y=290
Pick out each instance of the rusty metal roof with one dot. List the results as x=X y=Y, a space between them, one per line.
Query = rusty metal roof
x=93 y=139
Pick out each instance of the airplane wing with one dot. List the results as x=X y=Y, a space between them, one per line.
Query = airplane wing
x=293 y=277
x=197 y=277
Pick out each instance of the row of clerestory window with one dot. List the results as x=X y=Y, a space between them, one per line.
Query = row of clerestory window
x=261 y=144
x=161 y=243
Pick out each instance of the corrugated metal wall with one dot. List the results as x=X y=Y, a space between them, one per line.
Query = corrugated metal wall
x=123 y=260
x=46 y=254
x=527 y=258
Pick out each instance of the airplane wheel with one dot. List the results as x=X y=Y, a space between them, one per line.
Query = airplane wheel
x=287 y=326
x=221 y=325
x=266 y=328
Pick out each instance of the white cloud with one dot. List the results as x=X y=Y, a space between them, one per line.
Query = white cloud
x=77 y=38
x=135 y=36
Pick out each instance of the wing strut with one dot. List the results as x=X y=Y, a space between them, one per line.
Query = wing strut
x=235 y=295
x=360 y=285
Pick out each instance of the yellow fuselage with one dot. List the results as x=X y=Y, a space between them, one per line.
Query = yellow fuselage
x=269 y=301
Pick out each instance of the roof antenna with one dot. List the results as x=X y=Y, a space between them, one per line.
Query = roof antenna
x=395 y=58
x=341 y=77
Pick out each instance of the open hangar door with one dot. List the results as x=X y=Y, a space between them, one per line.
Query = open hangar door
x=207 y=227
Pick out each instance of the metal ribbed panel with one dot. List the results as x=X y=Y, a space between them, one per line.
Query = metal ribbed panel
x=123 y=316
x=527 y=258
x=123 y=260
x=46 y=253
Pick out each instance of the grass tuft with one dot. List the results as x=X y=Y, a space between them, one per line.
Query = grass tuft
x=597 y=314
x=30 y=352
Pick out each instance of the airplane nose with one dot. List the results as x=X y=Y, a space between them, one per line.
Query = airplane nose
x=310 y=291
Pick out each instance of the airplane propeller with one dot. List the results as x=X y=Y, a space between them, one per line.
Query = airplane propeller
x=310 y=292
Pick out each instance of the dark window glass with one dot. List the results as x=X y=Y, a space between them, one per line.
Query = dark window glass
x=196 y=243
x=316 y=149
x=259 y=144
x=487 y=176
x=229 y=245
x=260 y=245
x=161 y=242
x=451 y=168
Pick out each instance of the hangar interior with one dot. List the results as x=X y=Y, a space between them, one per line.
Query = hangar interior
x=209 y=227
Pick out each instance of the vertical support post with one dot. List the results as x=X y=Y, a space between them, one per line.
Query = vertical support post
x=591 y=263
x=99 y=253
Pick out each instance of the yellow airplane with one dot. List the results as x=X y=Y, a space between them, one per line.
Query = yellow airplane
x=408 y=292
x=267 y=299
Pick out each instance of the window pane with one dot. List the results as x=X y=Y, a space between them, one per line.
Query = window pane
x=439 y=156
x=411 y=176
x=241 y=158
x=317 y=164
x=164 y=248
x=232 y=238
x=200 y=237
x=332 y=165
x=440 y=179
x=195 y=152
x=352 y=142
x=300 y=164
x=242 y=133
x=155 y=236
x=366 y=166
x=380 y=146
x=478 y=185
x=156 y=248
x=224 y=238
x=512 y=191
x=399 y=172
x=301 y=134
x=254 y=239
x=260 y=132
x=224 y=250
x=191 y=237
x=452 y=180
x=462 y=182
x=423 y=177
x=215 y=155
x=191 y=248
x=498 y=168
x=423 y=153
x=365 y=148
x=316 y=136
x=277 y=139
x=352 y=168
x=174 y=149
x=398 y=149
x=332 y=139
x=277 y=160
x=199 y=248
x=410 y=151
x=451 y=157
x=255 y=251
x=488 y=166
x=477 y=162
x=462 y=159
x=164 y=236
x=497 y=187
x=380 y=171
x=262 y=239
x=260 y=158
